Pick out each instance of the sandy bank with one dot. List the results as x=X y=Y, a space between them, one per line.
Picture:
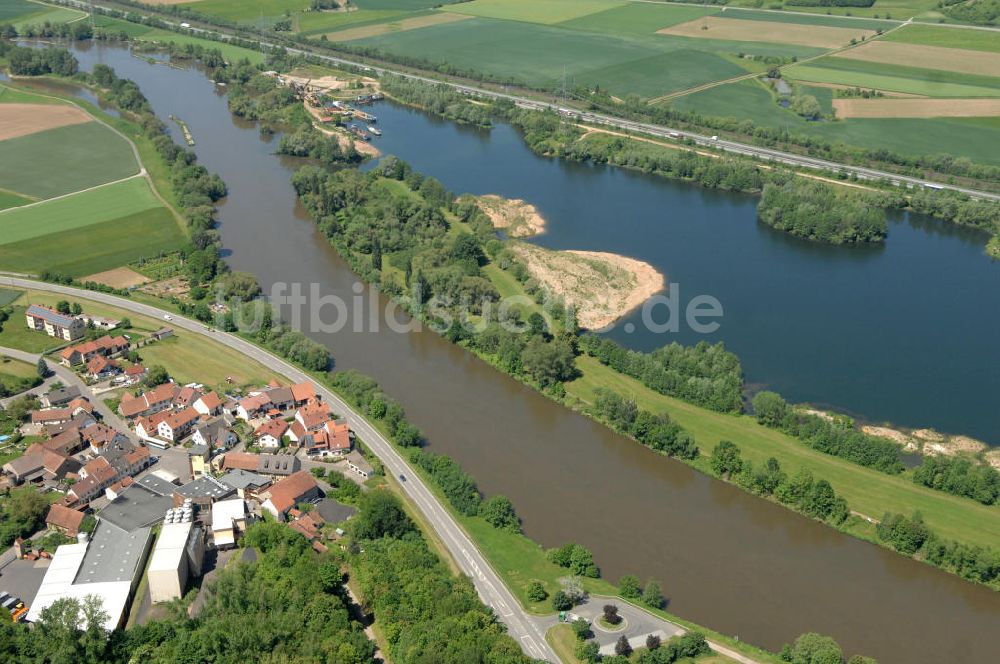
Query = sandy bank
x=602 y=287
x=933 y=443
x=515 y=217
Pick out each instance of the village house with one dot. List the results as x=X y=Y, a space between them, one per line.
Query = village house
x=307 y=523
x=332 y=439
x=100 y=322
x=208 y=404
x=133 y=374
x=176 y=425
x=273 y=465
x=253 y=407
x=60 y=396
x=100 y=368
x=106 y=346
x=118 y=488
x=229 y=519
x=67 y=443
x=214 y=434
x=246 y=483
x=287 y=493
x=53 y=323
x=151 y=401
x=37 y=464
x=303 y=393
x=270 y=433
x=101 y=437
x=64 y=520
x=313 y=416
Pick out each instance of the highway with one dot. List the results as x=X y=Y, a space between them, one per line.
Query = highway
x=659 y=131
x=528 y=631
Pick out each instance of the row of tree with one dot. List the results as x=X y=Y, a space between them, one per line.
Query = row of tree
x=365 y=394
x=816 y=211
x=704 y=374
x=959 y=476
x=656 y=431
x=834 y=435
x=910 y=536
x=25 y=61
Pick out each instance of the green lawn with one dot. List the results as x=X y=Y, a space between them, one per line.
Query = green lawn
x=16 y=375
x=97 y=247
x=113 y=201
x=8 y=295
x=63 y=160
x=865 y=490
x=193 y=358
x=547 y=12
x=933 y=35
x=133 y=30
x=914 y=80
x=9 y=95
x=15 y=333
x=54 y=15
x=229 y=51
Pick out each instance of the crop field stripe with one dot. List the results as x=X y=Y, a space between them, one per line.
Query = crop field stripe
x=98 y=247
x=20 y=119
x=933 y=35
x=912 y=80
x=13 y=9
x=63 y=160
x=318 y=23
x=244 y=11
x=916 y=108
x=721 y=27
x=115 y=200
x=637 y=18
x=9 y=199
x=808 y=19
x=401 y=5
x=393 y=26
x=50 y=14
x=963 y=61
x=547 y=12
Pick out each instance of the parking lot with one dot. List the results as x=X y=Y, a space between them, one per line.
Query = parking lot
x=22 y=578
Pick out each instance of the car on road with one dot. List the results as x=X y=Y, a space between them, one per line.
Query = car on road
x=402 y=478
x=167 y=317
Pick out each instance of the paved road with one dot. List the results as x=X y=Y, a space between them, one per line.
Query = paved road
x=527 y=630
x=69 y=377
x=660 y=131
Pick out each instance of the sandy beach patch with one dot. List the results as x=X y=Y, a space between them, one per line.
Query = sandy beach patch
x=415 y=23
x=120 y=277
x=344 y=140
x=928 y=57
x=775 y=32
x=602 y=287
x=896 y=436
x=515 y=217
x=23 y=119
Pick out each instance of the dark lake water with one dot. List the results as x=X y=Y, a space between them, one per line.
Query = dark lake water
x=725 y=559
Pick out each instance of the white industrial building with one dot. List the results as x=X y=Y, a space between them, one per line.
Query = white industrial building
x=108 y=567
x=229 y=518
x=178 y=555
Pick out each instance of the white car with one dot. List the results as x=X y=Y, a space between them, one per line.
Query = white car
x=185 y=25
x=167 y=317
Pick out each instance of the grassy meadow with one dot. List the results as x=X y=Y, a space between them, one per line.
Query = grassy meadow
x=932 y=35
x=895 y=78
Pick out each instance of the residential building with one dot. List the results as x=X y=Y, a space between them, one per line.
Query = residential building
x=100 y=368
x=303 y=393
x=332 y=439
x=312 y=416
x=270 y=433
x=60 y=396
x=253 y=406
x=53 y=323
x=247 y=484
x=177 y=425
x=134 y=374
x=203 y=491
x=106 y=346
x=214 y=434
x=149 y=402
x=300 y=487
x=208 y=404
x=64 y=520
x=39 y=463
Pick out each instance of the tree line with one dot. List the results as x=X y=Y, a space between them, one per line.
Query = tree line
x=815 y=211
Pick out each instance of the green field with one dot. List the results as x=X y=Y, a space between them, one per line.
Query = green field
x=540 y=55
x=316 y=23
x=63 y=160
x=12 y=9
x=14 y=333
x=133 y=30
x=247 y=11
x=865 y=490
x=895 y=9
x=55 y=15
x=9 y=200
x=8 y=295
x=98 y=247
x=929 y=35
x=802 y=19
x=113 y=201
x=400 y=5
x=897 y=78
x=548 y=12
x=229 y=51
x=10 y=95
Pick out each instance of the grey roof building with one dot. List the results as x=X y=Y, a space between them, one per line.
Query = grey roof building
x=205 y=487
x=60 y=396
x=242 y=480
x=136 y=507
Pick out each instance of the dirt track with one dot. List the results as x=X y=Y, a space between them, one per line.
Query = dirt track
x=23 y=119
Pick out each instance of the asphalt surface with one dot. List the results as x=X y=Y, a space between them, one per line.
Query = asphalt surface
x=528 y=631
x=660 y=131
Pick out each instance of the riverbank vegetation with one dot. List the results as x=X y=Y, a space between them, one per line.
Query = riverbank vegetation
x=819 y=212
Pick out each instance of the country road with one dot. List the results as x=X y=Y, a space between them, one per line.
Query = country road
x=660 y=131
x=527 y=630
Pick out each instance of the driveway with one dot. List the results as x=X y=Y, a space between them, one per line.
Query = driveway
x=22 y=578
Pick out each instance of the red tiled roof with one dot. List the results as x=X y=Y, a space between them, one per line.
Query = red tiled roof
x=132 y=406
x=51 y=415
x=186 y=396
x=256 y=402
x=65 y=518
x=276 y=428
x=313 y=415
x=181 y=418
x=137 y=455
x=99 y=363
x=240 y=460
x=287 y=492
x=135 y=370
x=81 y=402
x=211 y=400
x=303 y=392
